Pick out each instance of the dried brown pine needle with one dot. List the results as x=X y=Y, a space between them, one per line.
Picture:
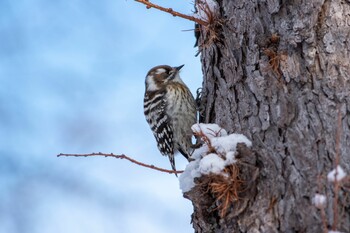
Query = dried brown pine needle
x=224 y=187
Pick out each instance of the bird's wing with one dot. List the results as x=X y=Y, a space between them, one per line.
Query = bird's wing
x=157 y=118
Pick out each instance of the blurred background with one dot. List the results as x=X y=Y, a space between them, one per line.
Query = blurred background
x=72 y=81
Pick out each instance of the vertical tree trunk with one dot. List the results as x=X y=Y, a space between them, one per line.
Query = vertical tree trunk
x=278 y=72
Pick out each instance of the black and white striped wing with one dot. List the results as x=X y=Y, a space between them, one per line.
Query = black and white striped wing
x=158 y=120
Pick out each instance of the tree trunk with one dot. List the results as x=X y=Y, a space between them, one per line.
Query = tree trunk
x=279 y=73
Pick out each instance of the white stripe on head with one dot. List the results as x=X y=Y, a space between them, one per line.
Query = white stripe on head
x=151 y=85
x=160 y=70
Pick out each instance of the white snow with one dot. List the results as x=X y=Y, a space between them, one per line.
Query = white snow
x=197 y=154
x=334 y=232
x=319 y=200
x=186 y=179
x=228 y=143
x=212 y=162
x=209 y=130
x=336 y=174
x=230 y=157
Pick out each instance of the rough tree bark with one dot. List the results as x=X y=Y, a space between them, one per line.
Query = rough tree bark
x=278 y=72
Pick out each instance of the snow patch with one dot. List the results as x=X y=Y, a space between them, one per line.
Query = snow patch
x=186 y=179
x=319 y=200
x=336 y=174
x=209 y=130
x=213 y=157
x=211 y=163
x=228 y=143
x=197 y=154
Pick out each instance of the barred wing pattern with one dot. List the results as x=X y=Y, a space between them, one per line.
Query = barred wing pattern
x=158 y=120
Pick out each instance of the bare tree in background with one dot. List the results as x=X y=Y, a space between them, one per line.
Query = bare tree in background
x=279 y=72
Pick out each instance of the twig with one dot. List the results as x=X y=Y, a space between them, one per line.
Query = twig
x=172 y=12
x=337 y=160
x=122 y=156
x=324 y=220
x=337 y=140
x=322 y=208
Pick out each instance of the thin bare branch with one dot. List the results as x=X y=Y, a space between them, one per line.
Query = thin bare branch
x=122 y=156
x=172 y=12
x=337 y=161
x=322 y=207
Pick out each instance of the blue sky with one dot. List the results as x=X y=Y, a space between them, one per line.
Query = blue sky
x=72 y=81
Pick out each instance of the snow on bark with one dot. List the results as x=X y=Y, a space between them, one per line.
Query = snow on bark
x=208 y=162
x=336 y=174
x=319 y=200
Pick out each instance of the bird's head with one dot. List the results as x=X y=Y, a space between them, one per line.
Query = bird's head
x=160 y=76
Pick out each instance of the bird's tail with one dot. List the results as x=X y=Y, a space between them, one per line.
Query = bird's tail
x=172 y=162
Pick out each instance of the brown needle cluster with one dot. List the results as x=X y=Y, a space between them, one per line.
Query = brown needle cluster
x=274 y=61
x=210 y=31
x=225 y=187
x=275 y=57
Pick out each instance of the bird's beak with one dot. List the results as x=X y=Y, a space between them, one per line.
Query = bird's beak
x=178 y=68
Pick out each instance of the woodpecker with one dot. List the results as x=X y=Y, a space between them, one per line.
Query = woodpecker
x=170 y=111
